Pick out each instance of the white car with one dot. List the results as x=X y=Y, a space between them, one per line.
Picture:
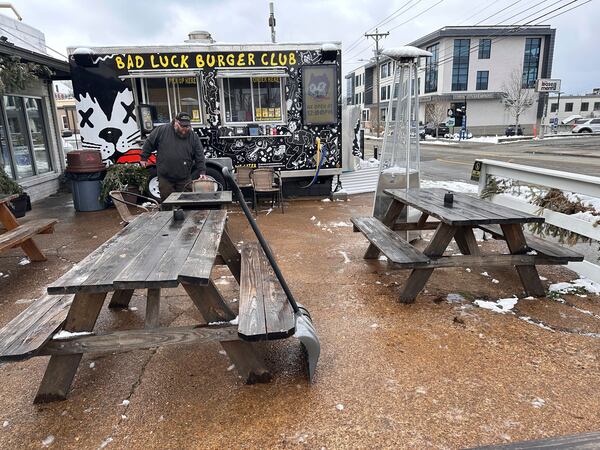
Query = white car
x=586 y=126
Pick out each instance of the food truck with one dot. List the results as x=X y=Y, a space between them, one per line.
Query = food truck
x=262 y=105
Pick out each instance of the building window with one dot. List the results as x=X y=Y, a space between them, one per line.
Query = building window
x=27 y=137
x=569 y=107
x=386 y=70
x=485 y=48
x=596 y=106
x=65 y=122
x=460 y=64
x=253 y=99
x=482 y=80
x=366 y=114
x=358 y=79
x=170 y=95
x=531 y=61
x=385 y=93
x=382 y=114
x=431 y=68
x=553 y=107
x=356 y=99
x=585 y=106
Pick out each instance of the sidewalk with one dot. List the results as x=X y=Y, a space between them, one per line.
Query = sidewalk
x=441 y=373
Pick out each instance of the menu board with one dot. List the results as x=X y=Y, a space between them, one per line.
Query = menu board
x=319 y=91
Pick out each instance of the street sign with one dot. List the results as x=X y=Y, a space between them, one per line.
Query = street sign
x=554 y=122
x=547 y=85
x=450 y=121
x=476 y=172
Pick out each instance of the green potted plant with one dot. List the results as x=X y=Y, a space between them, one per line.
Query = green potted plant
x=8 y=186
x=124 y=177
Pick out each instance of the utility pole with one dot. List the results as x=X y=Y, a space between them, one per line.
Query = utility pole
x=272 y=21
x=376 y=36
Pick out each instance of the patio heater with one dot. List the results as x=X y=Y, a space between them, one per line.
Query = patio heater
x=400 y=158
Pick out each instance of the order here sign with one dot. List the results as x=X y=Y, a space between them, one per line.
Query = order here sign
x=547 y=85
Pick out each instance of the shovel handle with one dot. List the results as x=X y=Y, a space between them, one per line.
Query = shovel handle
x=261 y=239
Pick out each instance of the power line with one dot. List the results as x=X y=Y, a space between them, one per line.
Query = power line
x=357 y=41
x=492 y=3
x=414 y=17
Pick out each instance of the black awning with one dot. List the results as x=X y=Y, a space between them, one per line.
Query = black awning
x=60 y=68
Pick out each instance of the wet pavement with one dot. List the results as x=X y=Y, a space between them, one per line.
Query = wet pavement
x=438 y=373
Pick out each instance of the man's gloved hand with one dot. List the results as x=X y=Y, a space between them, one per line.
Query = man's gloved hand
x=143 y=163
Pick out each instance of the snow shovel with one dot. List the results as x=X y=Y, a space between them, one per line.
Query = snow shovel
x=305 y=331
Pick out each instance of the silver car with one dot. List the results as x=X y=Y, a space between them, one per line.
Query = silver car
x=586 y=126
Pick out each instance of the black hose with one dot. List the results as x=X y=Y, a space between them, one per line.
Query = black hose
x=261 y=239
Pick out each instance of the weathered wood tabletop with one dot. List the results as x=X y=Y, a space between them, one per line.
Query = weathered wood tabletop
x=154 y=251
x=197 y=200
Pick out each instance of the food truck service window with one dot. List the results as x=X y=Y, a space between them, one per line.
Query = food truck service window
x=256 y=98
x=170 y=93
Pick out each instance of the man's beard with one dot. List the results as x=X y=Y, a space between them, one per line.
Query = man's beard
x=181 y=134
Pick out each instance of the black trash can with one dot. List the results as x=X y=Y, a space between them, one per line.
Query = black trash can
x=86 y=171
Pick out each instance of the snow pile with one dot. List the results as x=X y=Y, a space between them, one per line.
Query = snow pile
x=501 y=306
x=371 y=162
x=406 y=51
x=576 y=287
x=485 y=139
x=456 y=186
x=62 y=334
x=433 y=141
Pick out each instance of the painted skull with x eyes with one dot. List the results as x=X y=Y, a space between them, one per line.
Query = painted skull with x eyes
x=116 y=133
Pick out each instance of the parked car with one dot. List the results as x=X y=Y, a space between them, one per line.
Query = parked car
x=442 y=130
x=586 y=126
x=510 y=131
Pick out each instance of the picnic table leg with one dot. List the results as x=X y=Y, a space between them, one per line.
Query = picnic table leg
x=249 y=364
x=62 y=368
x=120 y=299
x=389 y=219
x=418 y=277
x=231 y=255
x=465 y=239
x=29 y=246
x=152 y=309
x=513 y=233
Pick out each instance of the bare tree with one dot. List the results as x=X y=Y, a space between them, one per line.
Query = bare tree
x=516 y=98
x=435 y=112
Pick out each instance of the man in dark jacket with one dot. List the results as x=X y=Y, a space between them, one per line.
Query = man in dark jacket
x=179 y=154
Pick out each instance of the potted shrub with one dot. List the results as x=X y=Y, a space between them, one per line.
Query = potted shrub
x=124 y=177
x=8 y=186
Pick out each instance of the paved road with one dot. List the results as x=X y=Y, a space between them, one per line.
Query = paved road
x=454 y=161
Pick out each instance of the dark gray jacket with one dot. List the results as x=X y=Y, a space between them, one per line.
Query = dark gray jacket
x=176 y=158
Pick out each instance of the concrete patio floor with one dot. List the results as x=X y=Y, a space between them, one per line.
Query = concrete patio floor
x=434 y=374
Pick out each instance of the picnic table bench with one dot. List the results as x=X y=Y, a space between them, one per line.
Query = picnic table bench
x=153 y=252
x=17 y=235
x=457 y=221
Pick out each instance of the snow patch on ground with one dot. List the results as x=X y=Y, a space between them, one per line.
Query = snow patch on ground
x=501 y=306
x=575 y=287
x=345 y=255
x=455 y=298
x=24 y=261
x=48 y=441
x=62 y=334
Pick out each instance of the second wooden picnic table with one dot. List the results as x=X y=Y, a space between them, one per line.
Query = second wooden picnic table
x=456 y=221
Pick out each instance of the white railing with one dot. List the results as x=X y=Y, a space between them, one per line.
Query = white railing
x=565 y=181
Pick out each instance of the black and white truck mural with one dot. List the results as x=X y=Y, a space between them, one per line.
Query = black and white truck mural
x=262 y=105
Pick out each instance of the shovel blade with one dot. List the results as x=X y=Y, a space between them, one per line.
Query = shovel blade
x=306 y=333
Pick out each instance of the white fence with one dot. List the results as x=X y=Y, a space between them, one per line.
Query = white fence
x=565 y=181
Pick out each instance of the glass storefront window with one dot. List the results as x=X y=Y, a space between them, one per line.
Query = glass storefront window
x=184 y=94
x=5 y=153
x=17 y=129
x=156 y=91
x=38 y=135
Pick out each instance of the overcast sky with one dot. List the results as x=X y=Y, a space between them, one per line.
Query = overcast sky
x=135 y=22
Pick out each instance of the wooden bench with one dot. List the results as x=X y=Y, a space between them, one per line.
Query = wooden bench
x=22 y=234
x=551 y=253
x=265 y=312
x=27 y=333
x=396 y=249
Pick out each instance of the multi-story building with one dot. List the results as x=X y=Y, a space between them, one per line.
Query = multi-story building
x=472 y=67
x=568 y=106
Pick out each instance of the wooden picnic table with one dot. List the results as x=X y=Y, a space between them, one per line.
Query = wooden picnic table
x=22 y=235
x=197 y=200
x=457 y=221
